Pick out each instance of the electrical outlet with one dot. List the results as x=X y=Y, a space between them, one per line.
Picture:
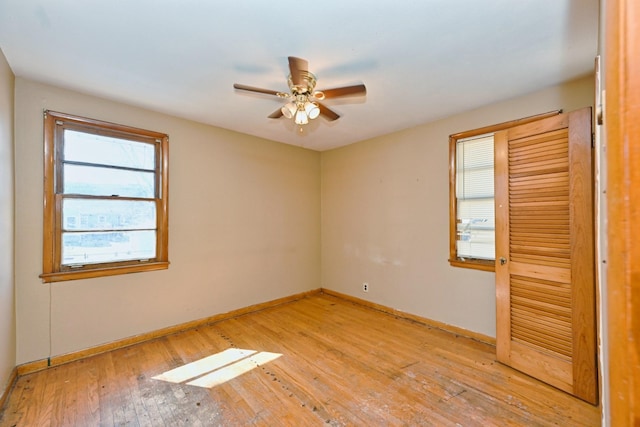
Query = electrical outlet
x=365 y=287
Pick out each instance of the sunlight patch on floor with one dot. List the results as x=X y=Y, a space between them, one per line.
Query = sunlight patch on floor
x=218 y=368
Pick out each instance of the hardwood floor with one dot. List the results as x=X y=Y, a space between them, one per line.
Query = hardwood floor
x=335 y=363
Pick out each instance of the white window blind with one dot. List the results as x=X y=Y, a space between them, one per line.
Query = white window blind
x=475 y=198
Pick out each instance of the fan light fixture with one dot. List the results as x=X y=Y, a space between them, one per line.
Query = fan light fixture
x=303 y=103
x=301 y=108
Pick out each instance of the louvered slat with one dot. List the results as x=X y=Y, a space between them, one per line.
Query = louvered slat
x=532 y=142
x=541 y=314
x=539 y=234
x=539 y=199
x=558 y=327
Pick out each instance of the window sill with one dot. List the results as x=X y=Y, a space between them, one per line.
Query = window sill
x=101 y=272
x=483 y=265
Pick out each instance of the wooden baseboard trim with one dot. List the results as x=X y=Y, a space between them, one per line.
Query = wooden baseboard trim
x=422 y=320
x=13 y=377
x=39 y=365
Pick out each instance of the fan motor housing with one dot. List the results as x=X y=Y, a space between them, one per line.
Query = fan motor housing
x=306 y=87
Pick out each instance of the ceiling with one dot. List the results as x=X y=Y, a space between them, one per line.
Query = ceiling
x=421 y=60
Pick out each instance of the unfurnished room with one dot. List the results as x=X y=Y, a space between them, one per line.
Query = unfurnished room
x=342 y=213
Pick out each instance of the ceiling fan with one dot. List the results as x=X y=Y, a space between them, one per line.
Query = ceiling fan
x=303 y=101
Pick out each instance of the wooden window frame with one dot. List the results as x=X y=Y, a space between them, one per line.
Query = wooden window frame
x=454 y=260
x=53 y=270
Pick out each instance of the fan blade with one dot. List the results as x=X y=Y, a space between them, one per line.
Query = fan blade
x=328 y=113
x=276 y=114
x=297 y=67
x=345 y=91
x=255 y=89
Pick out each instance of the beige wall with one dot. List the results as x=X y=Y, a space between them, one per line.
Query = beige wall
x=7 y=292
x=385 y=217
x=244 y=229
x=247 y=225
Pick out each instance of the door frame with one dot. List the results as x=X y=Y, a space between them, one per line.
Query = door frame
x=622 y=142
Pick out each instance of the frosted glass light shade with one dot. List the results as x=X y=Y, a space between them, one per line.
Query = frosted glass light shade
x=301 y=117
x=288 y=110
x=312 y=110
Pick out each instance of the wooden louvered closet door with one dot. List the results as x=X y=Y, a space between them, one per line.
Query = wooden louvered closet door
x=545 y=275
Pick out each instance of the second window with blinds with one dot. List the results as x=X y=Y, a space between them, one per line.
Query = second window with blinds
x=475 y=219
x=472 y=228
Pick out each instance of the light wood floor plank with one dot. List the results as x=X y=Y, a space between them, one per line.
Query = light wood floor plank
x=340 y=364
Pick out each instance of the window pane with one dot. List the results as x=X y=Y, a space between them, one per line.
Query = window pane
x=104 y=150
x=474 y=167
x=95 y=248
x=475 y=225
x=474 y=183
x=99 y=181
x=87 y=215
x=477 y=213
x=477 y=245
x=475 y=151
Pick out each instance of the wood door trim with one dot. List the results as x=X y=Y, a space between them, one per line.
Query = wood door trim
x=551 y=370
x=582 y=246
x=622 y=129
x=501 y=182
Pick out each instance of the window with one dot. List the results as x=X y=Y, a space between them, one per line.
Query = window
x=471 y=201
x=105 y=199
x=475 y=230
